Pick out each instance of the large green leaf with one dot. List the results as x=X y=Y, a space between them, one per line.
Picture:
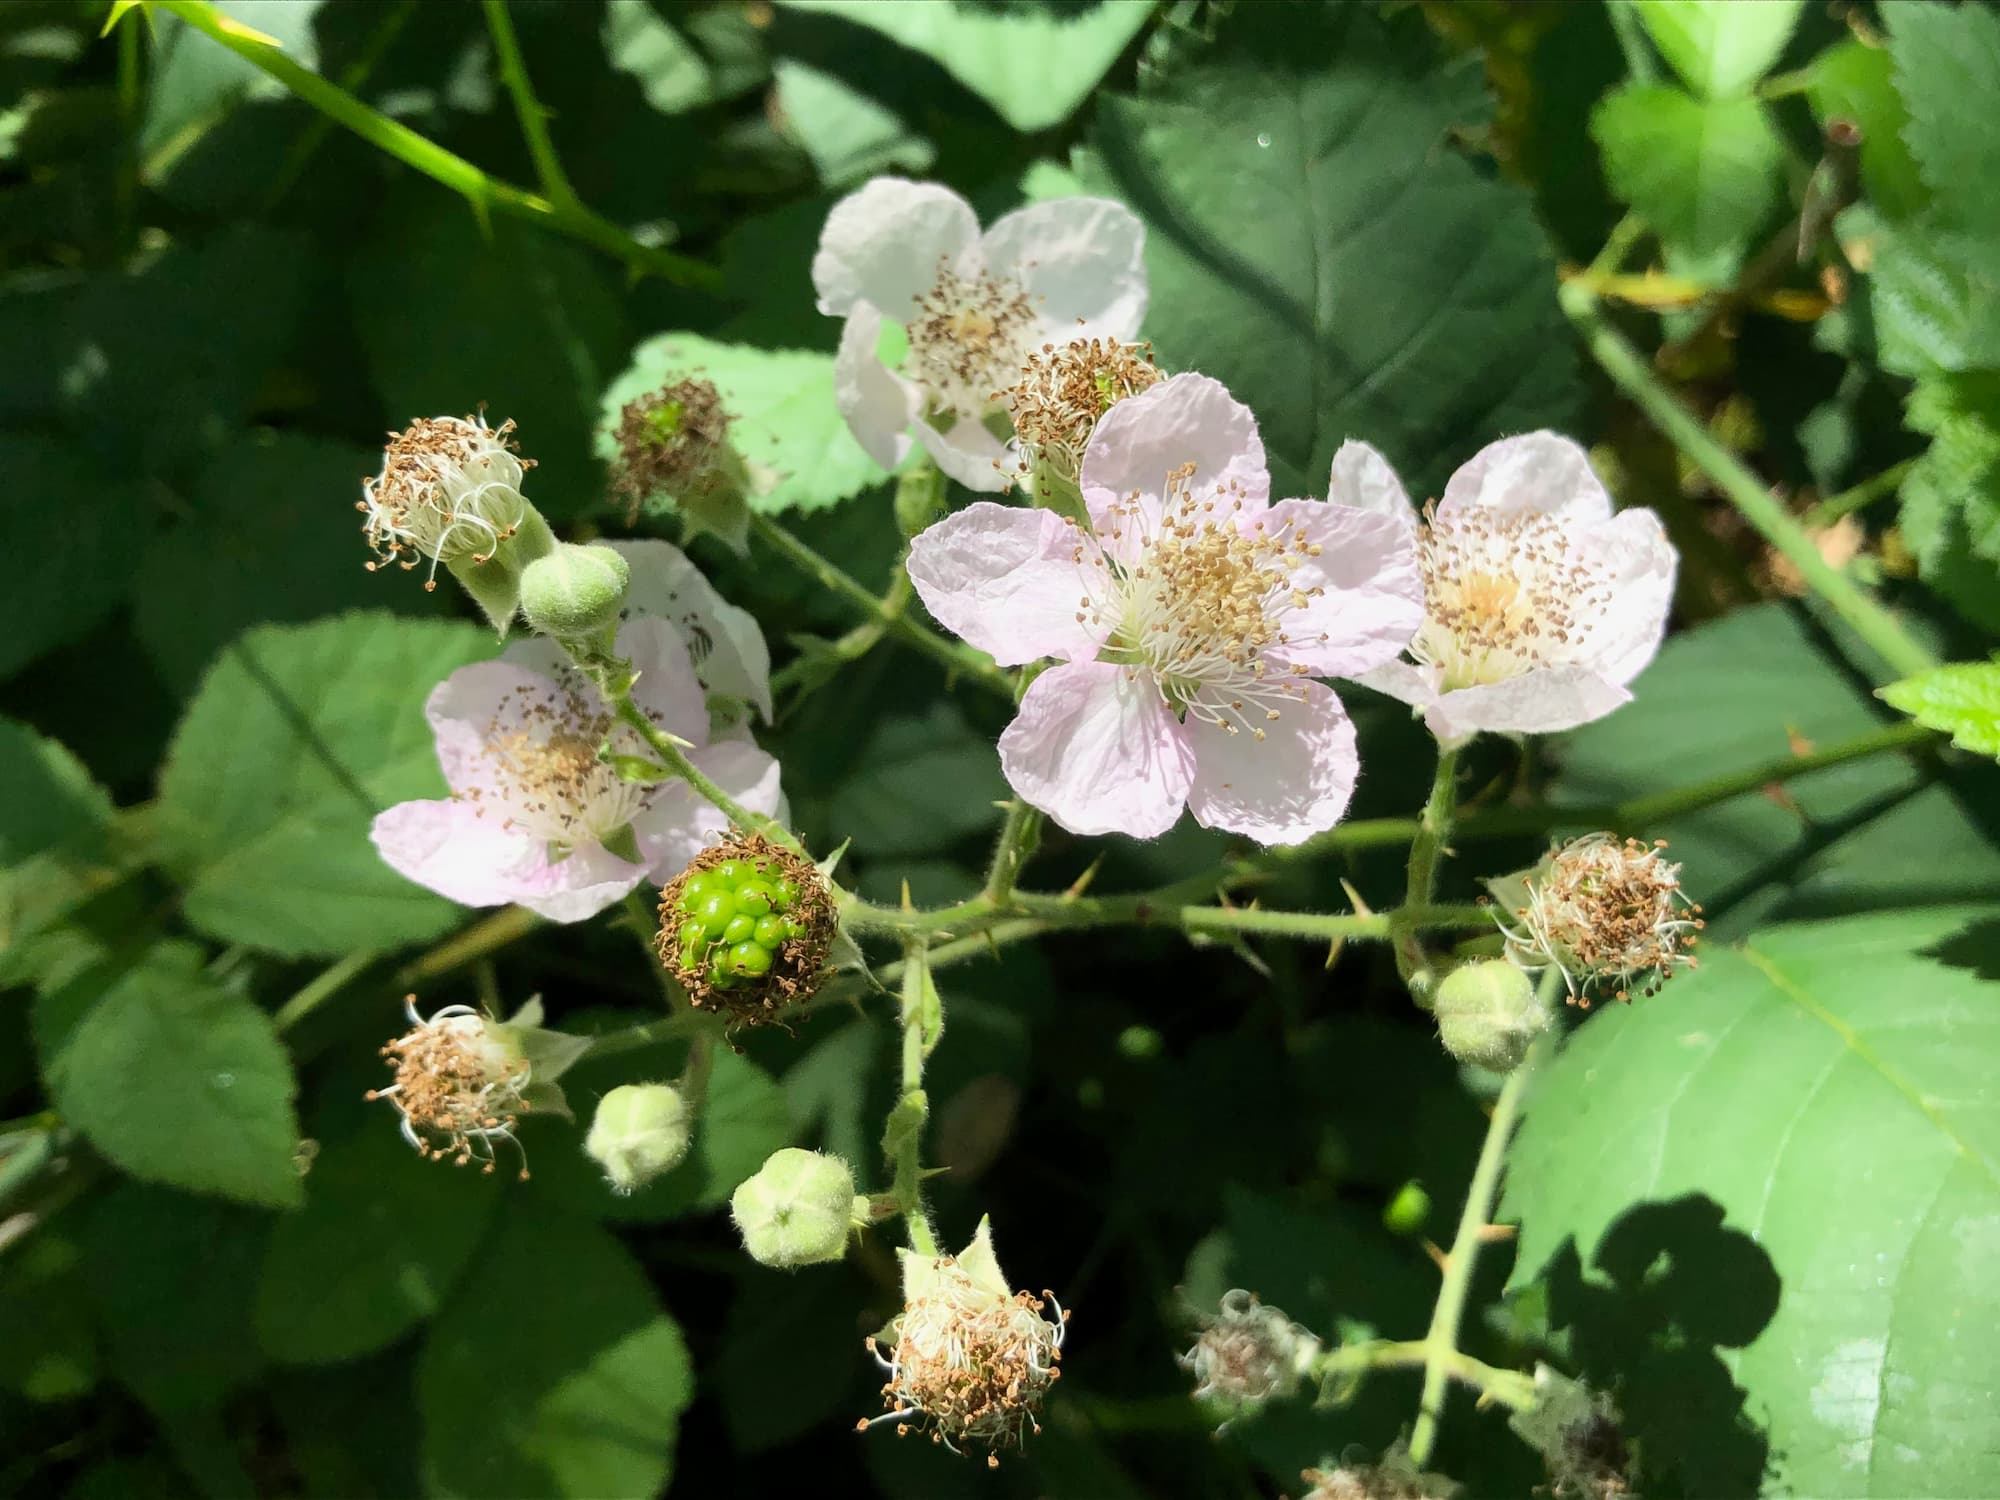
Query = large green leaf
x=1315 y=242
x=1835 y=1089
x=298 y=736
x=1032 y=66
x=924 y=782
x=1962 y=699
x=174 y=1079
x=1948 y=71
x=1721 y=47
x=782 y=415
x=552 y=1372
x=1705 y=173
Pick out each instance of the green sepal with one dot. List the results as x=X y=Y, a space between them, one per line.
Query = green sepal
x=624 y=843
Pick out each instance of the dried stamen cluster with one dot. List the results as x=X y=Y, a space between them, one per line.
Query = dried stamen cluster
x=449 y=490
x=968 y=336
x=1202 y=603
x=1063 y=392
x=746 y=929
x=1505 y=592
x=669 y=442
x=1610 y=915
x=970 y=1364
x=1248 y=1353
x=459 y=1086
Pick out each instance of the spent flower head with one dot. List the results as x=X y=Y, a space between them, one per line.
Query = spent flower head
x=1247 y=1354
x=461 y=1082
x=674 y=443
x=746 y=928
x=1190 y=617
x=1540 y=605
x=1609 y=914
x=970 y=1359
x=1062 y=392
x=449 y=490
x=972 y=307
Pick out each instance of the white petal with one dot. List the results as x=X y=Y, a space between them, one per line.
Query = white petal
x=1631 y=550
x=667 y=688
x=678 y=825
x=1284 y=788
x=728 y=648
x=876 y=403
x=1185 y=419
x=1098 y=751
x=1081 y=259
x=474 y=704
x=1541 y=471
x=1538 y=702
x=1010 y=581
x=883 y=244
x=477 y=861
x=1406 y=682
x=1365 y=594
x=970 y=454
x=1362 y=476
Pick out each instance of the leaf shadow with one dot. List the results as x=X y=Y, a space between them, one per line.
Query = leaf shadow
x=1975 y=947
x=1670 y=1288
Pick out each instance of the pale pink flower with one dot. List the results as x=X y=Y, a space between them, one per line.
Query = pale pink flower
x=534 y=817
x=1540 y=605
x=972 y=307
x=1190 y=620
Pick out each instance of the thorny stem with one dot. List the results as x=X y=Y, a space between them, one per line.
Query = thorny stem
x=1631 y=372
x=1511 y=1388
x=1018 y=837
x=1441 y=1342
x=533 y=117
x=352 y=78
x=923 y=1022
x=481 y=190
x=676 y=761
x=1433 y=830
x=960 y=660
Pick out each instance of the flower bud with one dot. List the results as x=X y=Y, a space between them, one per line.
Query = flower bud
x=797 y=1210
x=575 y=593
x=1248 y=1354
x=746 y=928
x=673 y=444
x=1488 y=1013
x=640 y=1131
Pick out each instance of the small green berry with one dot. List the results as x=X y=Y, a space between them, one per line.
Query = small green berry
x=732 y=872
x=699 y=885
x=784 y=892
x=755 y=897
x=772 y=932
x=751 y=960
x=742 y=927
x=715 y=910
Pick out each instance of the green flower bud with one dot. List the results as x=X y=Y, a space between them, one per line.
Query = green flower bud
x=1487 y=1014
x=797 y=1210
x=575 y=593
x=640 y=1132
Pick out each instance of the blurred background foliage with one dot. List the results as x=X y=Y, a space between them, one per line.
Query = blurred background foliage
x=223 y=1275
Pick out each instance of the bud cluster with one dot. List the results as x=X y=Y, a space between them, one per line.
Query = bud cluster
x=746 y=928
x=460 y=1085
x=1609 y=914
x=1248 y=1354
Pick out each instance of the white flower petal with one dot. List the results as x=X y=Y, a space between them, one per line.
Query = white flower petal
x=475 y=702
x=877 y=404
x=883 y=243
x=1541 y=471
x=667 y=688
x=1363 y=477
x=1284 y=788
x=1406 y=682
x=1097 y=750
x=475 y=859
x=1365 y=593
x=724 y=641
x=1081 y=259
x=1185 y=419
x=1633 y=552
x=1010 y=581
x=678 y=825
x=970 y=454
x=1543 y=701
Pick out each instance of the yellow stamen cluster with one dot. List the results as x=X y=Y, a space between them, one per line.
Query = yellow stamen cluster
x=1505 y=592
x=544 y=774
x=970 y=1364
x=1063 y=392
x=458 y=1086
x=1202 y=603
x=668 y=443
x=449 y=490
x=1610 y=915
x=968 y=336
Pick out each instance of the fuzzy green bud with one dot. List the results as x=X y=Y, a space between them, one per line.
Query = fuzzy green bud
x=575 y=592
x=640 y=1131
x=797 y=1210
x=1488 y=1014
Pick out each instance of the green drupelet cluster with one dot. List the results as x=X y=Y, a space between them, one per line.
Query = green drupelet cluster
x=735 y=918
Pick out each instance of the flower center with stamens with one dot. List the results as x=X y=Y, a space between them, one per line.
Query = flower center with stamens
x=969 y=337
x=1504 y=593
x=1202 y=604
x=544 y=774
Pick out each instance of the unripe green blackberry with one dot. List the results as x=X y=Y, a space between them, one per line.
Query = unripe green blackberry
x=746 y=928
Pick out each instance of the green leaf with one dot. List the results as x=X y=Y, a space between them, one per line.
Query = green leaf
x=1721 y=47
x=553 y=1372
x=50 y=1352
x=923 y=782
x=670 y=69
x=1283 y=181
x=1934 y=294
x=382 y=1241
x=787 y=1361
x=1032 y=66
x=297 y=737
x=1948 y=71
x=47 y=800
x=1835 y=1089
x=196 y=82
x=782 y=416
x=1851 y=81
x=1962 y=700
x=848 y=135
x=1706 y=173
x=176 y=1080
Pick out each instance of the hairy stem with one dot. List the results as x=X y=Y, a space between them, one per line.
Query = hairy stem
x=903 y=1136
x=1511 y=1388
x=1864 y=494
x=322 y=987
x=1433 y=830
x=1018 y=837
x=676 y=761
x=1881 y=630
